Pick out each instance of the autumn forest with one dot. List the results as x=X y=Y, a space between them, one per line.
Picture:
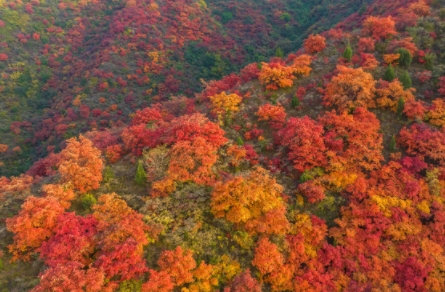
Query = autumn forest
x=222 y=145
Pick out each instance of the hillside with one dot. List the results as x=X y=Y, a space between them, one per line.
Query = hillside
x=321 y=168
x=72 y=66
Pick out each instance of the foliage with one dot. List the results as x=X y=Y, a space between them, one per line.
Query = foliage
x=350 y=88
x=81 y=165
x=141 y=176
x=379 y=27
x=314 y=44
x=389 y=74
x=252 y=201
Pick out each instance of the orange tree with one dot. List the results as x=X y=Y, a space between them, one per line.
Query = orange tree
x=252 y=201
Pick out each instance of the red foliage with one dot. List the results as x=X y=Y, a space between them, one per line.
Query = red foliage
x=244 y=283
x=72 y=277
x=3 y=57
x=73 y=241
x=379 y=27
x=35 y=223
x=274 y=114
x=303 y=139
x=366 y=45
x=314 y=44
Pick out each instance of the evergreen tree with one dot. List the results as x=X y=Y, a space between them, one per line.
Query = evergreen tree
x=389 y=74
x=400 y=106
x=347 y=54
x=239 y=141
x=392 y=144
x=295 y=102
x=279 y=53
x=405 y=58
x=141 y=176
x=406 y=80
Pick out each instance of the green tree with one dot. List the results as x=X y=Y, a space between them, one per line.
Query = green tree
x=400 y=106
x=279 y=53
x=295 y=102
x=347 y=54
x=392 y=144
x=406 y=80
x=389 y=74
x=141 y=176
x=405 y=58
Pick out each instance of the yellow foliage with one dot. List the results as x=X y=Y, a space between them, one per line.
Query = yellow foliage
x=385 y=203
x=225 y=104
x=390 y=58
x=388 y=97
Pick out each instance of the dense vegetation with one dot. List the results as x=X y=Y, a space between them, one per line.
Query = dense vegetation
x=321 y=168
x=72 y=66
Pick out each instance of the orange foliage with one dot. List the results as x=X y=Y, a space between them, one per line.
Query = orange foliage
x=236 y=154
x=64 y=193
x=33 y=225
x=369 y=62
x=436 y=114
x=419 y=8
x=118 y=222
x=391 y=58
x=350 y=88
x=189 y=161
x=276 y=75
x=389 y=93
x=366 y=45
x=379 y=27
x=3 y=148
x=315 y=44
x=81 y=164
x=274 y=114
x=414 y=110
x=178 y=264
x=252 y=201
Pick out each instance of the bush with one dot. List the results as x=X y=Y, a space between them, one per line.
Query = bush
x=141 y=176
x=405 y=79
x=347 y=54
x=389 y=74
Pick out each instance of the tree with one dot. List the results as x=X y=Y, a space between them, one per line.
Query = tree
x=225 y=104
x=62 y=192
x=350 y=88
x=244 y=282
x=141 y=176
x=73 y=241
x=405 y=57
x=400 y=106
x=158 y=282
x=347 y=54
x=389 y=74
x=389 y=93
x=274 y=114
x=81 y=164
x=178 y=264
x=35 y=223
x=406 y=80
x=303 y=139
x=279 y=53
x=379 y=27
x=314 y=44
x=72 y=277
x=392 y=144
x=253 y=201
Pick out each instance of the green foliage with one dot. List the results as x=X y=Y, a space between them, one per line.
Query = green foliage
x=87 y=201
x=311 y=174
x=400 y=106
x=430 y=58
x=108 y=174
x=239 y=141
x=141 y=176
x=130 y=286
x=279 y=53
x=347 y=54
x=392 y=144
x=295 y=102
x=389 y=74
x=285 y=16
x=405 y=79
x=405 y=58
